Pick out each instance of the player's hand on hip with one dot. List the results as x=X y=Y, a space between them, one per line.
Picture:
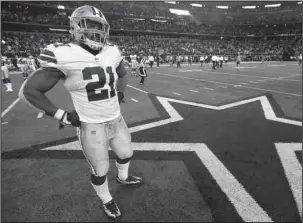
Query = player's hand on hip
x=68 y=118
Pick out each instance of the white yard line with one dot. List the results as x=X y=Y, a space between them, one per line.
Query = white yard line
x=134 y=100
x=216 y=82
x=263 y=77
x=206 y=88
x=176 y=93
x=194 y=91
x=9 y=107
x=138 y=89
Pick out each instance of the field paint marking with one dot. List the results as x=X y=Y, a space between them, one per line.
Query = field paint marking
x=194 y=91
x=264 y=77
x=4 y=123
x=244 y=67
x=40 y=115
x=246 y=206
x=216 y=82
x=134 y=100
x=176 y=93
x=206 y=88
x=292 y=169
x=138 y=89
x=222 y=86
x=9 y=107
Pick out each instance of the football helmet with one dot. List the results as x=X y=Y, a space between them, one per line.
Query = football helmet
x=89 y=26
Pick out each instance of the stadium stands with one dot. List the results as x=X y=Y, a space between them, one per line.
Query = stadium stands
x=28 y=26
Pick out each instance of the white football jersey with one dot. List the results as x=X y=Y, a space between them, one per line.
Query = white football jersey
x=133 y=58
x=91 y=80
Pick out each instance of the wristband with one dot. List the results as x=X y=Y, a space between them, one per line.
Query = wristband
x=59 y=114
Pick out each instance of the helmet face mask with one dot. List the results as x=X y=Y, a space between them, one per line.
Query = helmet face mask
x=89 y=26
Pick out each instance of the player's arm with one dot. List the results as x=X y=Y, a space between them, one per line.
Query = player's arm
x=122 y=80
x=34 y=89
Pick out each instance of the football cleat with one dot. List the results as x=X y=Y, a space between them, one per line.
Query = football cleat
x=111 y=209
x=130 y=180
x=9 y=90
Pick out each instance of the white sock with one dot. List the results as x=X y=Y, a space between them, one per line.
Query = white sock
x=103 y=192
x=9 y=86
x=122 y=170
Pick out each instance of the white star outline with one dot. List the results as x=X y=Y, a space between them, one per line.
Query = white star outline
x=247 y=208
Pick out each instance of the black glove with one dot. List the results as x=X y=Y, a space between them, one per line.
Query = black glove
x=70 y=118
x=120 y=96
x=73 y=118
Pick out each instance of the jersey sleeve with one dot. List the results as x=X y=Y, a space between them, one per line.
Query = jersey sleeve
x=47 y=57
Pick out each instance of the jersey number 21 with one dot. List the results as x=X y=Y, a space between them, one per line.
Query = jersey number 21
x=91 y=88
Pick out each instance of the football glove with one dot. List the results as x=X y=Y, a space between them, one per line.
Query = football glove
x=120 y=96
x=67 y=118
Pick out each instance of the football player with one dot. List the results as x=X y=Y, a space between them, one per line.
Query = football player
x=221 y=61
x=92 y=71
x=226 y=59
x=29 y=66
x=134 y=63
x=202 y=60
x=238 y=60
x=300 y=59
x=214 y=60
x=142 y=66
x=4 y=75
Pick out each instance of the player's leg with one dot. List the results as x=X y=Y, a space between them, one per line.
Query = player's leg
x=6 y=80
x=121 y=145
x=94 y=143
x=24 y=70
x=133 y=68
x=142 y=74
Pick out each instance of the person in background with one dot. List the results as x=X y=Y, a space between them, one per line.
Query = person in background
x=142 y=66
x=226 y=59
x=214 y=60
x=238 y=60
x=178 y=60
x=221 y=61
x=202 y=60
x=5 y=76
x=151 y=60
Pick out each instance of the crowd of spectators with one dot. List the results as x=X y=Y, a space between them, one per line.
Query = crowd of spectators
x=161 y=26
x=24 y=44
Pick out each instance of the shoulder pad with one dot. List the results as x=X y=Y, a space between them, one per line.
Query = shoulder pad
x=47 y=57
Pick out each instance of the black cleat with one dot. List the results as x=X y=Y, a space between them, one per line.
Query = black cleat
x=130 y=180
x=111 y=209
